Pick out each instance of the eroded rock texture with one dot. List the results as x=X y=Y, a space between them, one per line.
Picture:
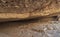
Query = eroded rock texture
x=27 y=5
x=30 y=27
x=23 y=9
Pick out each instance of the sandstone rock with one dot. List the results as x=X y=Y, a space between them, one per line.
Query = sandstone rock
x=23 y=9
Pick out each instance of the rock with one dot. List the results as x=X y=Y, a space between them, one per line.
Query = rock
x=4 y=35
x=31 y=28
x=26 y=9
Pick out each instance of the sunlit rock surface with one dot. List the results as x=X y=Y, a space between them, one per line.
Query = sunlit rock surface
x=24 y=9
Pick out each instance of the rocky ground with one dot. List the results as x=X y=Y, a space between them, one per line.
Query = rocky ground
x=45 y=27
x=31 y=18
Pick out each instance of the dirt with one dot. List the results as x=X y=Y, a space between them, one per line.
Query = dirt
x=31 y=28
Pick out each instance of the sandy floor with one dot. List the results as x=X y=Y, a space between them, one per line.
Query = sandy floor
x=30 y=28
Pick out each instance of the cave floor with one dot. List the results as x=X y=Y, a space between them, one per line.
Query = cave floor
x=30 y=28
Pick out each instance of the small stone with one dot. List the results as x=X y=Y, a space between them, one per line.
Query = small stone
x=17 y=6
x=26 y=6
x=3 y=1
x=58 y=17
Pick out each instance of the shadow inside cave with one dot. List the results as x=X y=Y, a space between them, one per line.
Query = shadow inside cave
x=16 y=23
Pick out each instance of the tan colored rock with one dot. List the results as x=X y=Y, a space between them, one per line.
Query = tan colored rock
x=23 y=9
